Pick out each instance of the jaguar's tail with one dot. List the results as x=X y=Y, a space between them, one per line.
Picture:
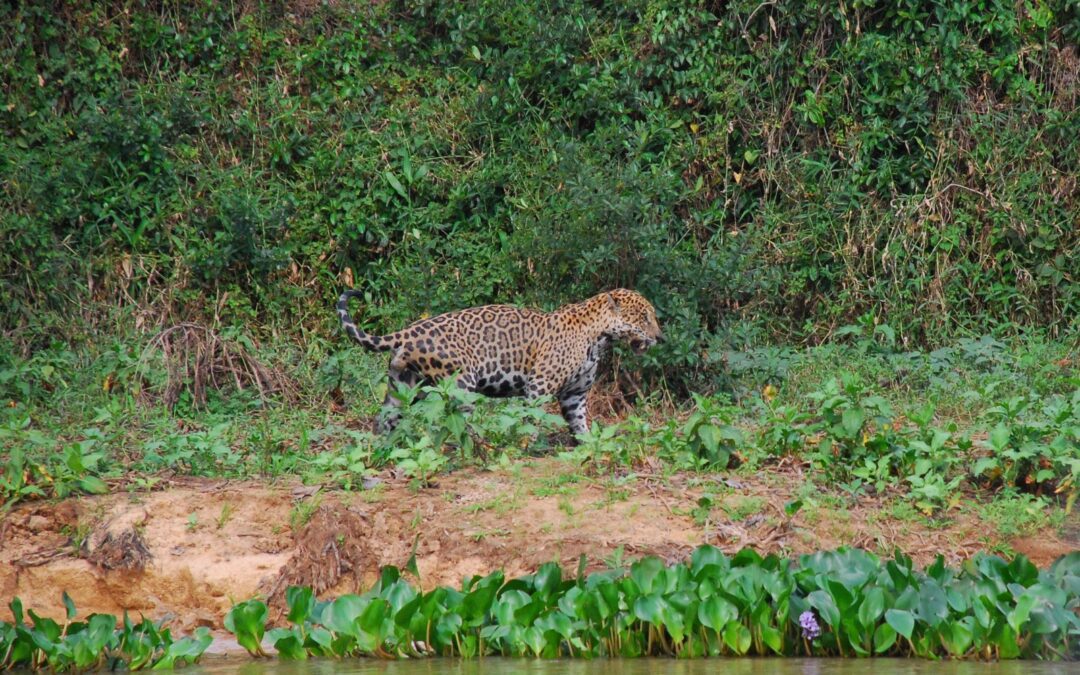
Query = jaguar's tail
x=375 y=343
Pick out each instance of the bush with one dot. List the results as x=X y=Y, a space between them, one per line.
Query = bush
x=762 y=172
x=833 y=603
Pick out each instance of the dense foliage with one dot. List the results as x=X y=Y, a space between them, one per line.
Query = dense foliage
x=840 y=603
x=95 y=643
x=975 y=418
x=889 y=178
x=934 y=429
x=760 y=170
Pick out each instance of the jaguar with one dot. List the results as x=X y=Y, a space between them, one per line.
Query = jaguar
x=503 y=350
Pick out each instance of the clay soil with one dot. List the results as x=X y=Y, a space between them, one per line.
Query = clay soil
x=190 y=549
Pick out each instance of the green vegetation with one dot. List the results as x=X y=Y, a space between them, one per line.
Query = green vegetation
x=186 y=188
x=865 y=438
x=841 y=603
x=762 y=173
x=856 y=220
x=93 y=644
x=982 y=419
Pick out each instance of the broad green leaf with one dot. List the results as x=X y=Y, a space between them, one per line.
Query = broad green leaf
x=396 y=184
x=560 y=623
x=840 y=595
x=737 y=637
x=300 y=600
x=455 y=424
x=48 y=629
x=825 y=606
x=526 y=614
x=710 y=437
x=650 y=608
x=508 y=603
x=1023 y=571
x=792 y=507
x=340 y=615
x=716 y=612
x=447 y=628
x=884 y=637
x=399 y=595
x=956 y=637
x=1019 y=615
x=933 y=607
x=476 y=604
x=93 y=485
x=773 y=639
x=901 y=621
x=645 y=572
x=16 y=608
x=371 y=619
x=855 y=639
x=999 y=437
x=1005 y=639
x=247 y=621
x=959 y=600
x=534 y=639
x=852 y=421
x=547 y=579
x=321 y=637
x=983 y=464
x=185 y=650
x=872 y=607
x=981 y=613
x=287 y=643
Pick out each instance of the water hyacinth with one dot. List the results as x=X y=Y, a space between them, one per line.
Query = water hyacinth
x=848 y=602
x=810 y=628
x=95 y=643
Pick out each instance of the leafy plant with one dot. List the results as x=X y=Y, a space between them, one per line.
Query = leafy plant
x=443 y=418
x=34 y=469
x=347 y=467
x=94 y=643
x=855 y=426
x=841 y=603
x=784 y=430
x=247 y=621
x=419 y=461
x=711 y=439
x=1033 y=448
x=635 y=129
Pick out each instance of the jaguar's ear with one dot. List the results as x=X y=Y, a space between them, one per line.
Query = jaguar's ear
x=612 y=304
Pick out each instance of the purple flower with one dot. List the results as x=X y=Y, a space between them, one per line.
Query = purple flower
x=809 y=625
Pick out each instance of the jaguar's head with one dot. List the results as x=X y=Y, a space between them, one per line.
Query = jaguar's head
x=633 y=319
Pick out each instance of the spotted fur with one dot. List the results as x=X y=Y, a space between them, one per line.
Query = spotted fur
x=501 y=350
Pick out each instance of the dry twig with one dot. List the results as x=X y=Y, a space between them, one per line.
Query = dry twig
x=197 y=358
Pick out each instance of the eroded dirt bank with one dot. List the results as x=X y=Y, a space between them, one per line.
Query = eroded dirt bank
x=189 y=551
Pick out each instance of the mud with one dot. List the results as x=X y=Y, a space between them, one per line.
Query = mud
x=189 y=551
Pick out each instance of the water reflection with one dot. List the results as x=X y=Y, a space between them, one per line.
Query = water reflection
x=746 y=666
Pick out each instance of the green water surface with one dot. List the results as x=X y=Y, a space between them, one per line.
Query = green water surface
x=743 y=666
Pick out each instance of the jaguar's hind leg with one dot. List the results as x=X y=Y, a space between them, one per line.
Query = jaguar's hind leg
x=468 y=383
x=399 y=375
x=573 y=410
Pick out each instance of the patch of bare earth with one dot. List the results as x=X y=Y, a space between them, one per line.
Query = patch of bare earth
x=191 y=550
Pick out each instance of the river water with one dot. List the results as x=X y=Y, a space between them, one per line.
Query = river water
x=745 y=666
